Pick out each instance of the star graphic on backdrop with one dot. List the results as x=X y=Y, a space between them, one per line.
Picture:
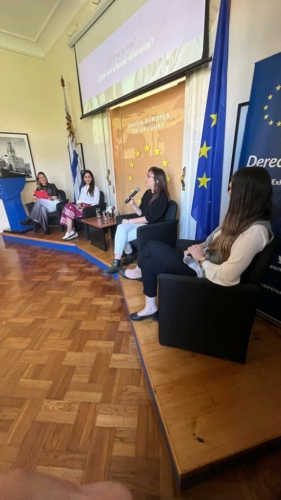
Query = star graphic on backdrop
x=138 y=153
x=130 y=178
x=157 y=151
x=204 y=150
x=139 y=202
x=270 y=109
x=169 y=179
x=132 y=164
x=278 y=124
x=147 y=148
x=203 y=181
x=215 y=119
x=165 y=162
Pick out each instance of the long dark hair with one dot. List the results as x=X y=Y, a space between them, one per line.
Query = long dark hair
x=39 y=186
x=160 y=183
x=250 y=201
x=92 y=183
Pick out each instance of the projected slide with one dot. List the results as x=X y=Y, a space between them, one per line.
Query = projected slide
x=161 y=38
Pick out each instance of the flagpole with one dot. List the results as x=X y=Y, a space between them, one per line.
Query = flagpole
x=74 y=158
x=207 y=189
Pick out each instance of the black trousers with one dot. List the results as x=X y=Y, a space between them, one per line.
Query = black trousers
x=159 y=258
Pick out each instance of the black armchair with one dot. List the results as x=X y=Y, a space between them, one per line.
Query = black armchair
x=198 y=315
x=87 y=213
x=165 y=231
x=53 y=217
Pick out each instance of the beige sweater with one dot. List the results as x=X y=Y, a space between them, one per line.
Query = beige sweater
x=242 y=252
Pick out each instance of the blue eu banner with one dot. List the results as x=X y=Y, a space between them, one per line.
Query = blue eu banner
x=262 y=147
x=207 y=191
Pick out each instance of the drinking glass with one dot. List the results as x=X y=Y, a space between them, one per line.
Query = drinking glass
x=105 y=216
x=98 y=214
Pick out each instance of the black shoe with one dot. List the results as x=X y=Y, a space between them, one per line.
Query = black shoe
x=36 y=226
x=26 y=222
x=47 y=231
x=136 y=317
x=123 y=273
x=129 y=258
x=116 y=265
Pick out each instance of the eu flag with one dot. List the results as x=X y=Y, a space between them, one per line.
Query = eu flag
x=207 y=191
x=261 y=143
x=262 y=147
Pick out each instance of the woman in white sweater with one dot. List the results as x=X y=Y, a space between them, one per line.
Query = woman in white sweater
x=89 y=195
x=227 y=252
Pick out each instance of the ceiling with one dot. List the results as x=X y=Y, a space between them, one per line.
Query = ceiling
x=32 y=26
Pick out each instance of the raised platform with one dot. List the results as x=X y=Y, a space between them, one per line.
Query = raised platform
x=102 y=259
x=210 y=410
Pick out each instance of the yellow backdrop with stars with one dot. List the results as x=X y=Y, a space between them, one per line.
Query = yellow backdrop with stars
x=146 y=133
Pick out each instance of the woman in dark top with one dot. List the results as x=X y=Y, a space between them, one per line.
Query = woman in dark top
x=43 y=206
x=229 y=249
x=153 y=207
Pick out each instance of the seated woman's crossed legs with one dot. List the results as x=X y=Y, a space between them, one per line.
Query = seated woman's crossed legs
x=158 y=258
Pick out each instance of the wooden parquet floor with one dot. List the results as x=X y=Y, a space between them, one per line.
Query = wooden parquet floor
x=55 y=238
x=73 y=397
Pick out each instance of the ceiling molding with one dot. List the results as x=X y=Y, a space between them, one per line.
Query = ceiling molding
x=57 y=20
x=96 y=15
x=47 y=20
x=21 y=45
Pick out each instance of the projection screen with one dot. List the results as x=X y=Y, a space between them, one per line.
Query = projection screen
x=138 y=45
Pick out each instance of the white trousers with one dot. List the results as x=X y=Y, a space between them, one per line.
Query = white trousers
x=124 y=234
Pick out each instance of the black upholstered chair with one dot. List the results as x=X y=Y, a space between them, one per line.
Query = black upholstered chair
x=200 y=316
x=53 y=217
x=87 y=213
x=165 y=231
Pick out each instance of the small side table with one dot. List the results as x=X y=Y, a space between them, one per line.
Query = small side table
x=97 y=229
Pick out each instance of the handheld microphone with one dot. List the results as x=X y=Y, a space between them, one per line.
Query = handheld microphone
x=132 y=195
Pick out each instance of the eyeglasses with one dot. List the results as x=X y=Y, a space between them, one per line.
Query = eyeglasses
x=148 y=175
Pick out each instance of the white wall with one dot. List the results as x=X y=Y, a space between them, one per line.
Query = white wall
x=31 y=101
x=30 y=104
x=254 y=35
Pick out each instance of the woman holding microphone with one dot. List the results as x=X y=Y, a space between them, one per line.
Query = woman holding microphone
x=153 y=207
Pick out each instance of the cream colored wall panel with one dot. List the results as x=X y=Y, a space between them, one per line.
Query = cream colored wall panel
x=254 y=35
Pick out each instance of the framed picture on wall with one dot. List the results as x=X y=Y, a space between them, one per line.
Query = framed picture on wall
x=15 y=154
x=239 y=135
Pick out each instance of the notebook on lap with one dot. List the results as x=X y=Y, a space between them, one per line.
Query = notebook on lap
x=42 y=194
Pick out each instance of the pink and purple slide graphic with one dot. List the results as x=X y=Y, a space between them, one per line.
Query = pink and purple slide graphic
x=154 y=42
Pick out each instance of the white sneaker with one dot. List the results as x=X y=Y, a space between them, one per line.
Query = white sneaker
x=72 y=235
x=66 y=236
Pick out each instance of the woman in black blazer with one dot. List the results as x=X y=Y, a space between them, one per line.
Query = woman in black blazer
x=42 y=206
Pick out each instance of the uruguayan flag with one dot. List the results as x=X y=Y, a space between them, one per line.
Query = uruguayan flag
x=74 y=158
